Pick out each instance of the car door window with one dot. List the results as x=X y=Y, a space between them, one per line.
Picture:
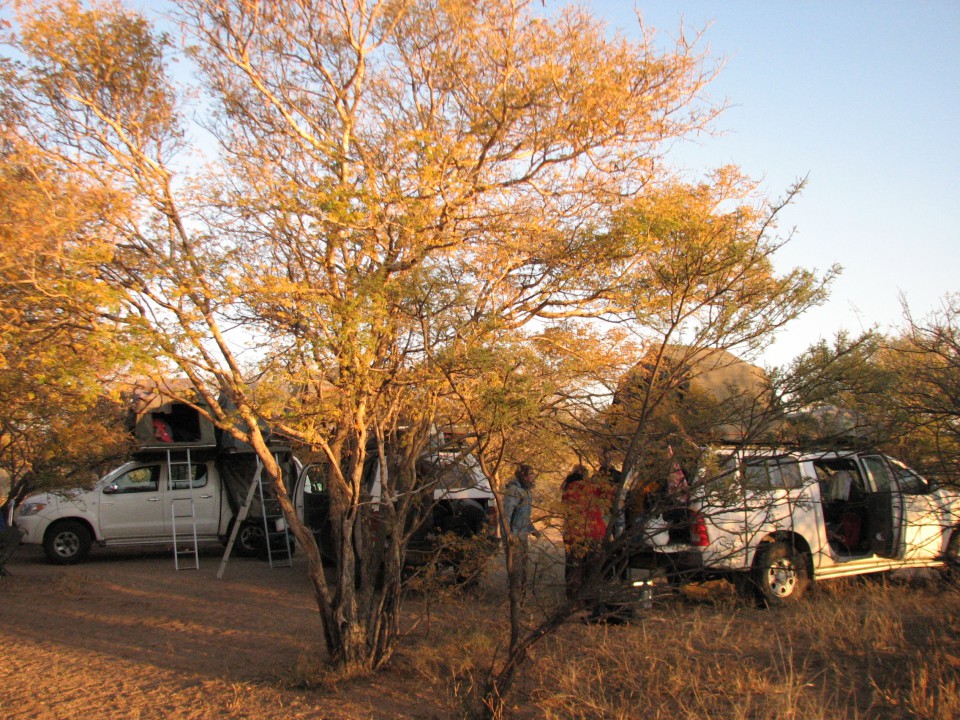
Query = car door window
x=138 y=480
x=316 y=479
x=880 y=474
x=181 y=474
x=910 y=483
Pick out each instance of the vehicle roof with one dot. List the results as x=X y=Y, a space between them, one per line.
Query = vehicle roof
x=798 y=453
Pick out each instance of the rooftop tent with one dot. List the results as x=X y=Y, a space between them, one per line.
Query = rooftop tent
x=163 y=422
x=229 y=443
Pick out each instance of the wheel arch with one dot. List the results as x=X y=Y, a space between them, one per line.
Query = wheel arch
x=794 y=539
x=949 y=533
x=94 y=535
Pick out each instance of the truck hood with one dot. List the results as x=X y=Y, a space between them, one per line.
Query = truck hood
x=53 y=500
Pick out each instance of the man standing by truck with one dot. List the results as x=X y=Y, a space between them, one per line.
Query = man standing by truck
x=517 y=522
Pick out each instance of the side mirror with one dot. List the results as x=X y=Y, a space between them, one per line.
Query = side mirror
x=111 y=489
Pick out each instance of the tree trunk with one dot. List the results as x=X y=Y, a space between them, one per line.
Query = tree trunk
x=360 y=618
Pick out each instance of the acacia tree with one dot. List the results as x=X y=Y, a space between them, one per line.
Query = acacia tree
x=897 y=393
x=56 y=357
x=924 y=359
x=689 y=274
x=706 y=284
x=393 y=181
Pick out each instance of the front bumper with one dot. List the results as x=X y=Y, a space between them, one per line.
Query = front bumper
x=32 y=527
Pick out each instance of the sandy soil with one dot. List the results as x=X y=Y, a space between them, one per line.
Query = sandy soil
x=125 y=635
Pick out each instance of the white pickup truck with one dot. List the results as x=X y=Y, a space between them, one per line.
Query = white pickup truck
x=144 y=502
x=182 y=462
x=771 y=521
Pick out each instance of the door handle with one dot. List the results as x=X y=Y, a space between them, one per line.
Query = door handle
x=153 y=499
x=206 y=497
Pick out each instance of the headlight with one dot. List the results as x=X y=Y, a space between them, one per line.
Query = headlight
x=31 y=508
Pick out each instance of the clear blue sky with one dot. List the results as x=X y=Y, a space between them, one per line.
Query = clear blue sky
x=862 y=95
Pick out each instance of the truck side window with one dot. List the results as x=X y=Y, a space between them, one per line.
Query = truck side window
x=179 y=476
x=755 y=475
x=141 y=479
x=790 y=473
x=767 y=473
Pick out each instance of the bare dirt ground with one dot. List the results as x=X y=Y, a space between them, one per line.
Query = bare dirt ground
x=125 y=635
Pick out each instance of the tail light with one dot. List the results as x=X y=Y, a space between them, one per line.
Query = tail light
x=698 y=530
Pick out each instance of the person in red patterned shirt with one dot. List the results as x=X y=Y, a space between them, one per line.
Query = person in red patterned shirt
x=586 y=505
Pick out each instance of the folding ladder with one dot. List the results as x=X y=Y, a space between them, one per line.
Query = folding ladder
x=273 y=524
x=274 y=528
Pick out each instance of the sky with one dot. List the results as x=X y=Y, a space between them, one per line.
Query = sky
x=861 y=96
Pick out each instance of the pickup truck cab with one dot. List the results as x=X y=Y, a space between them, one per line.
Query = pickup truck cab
x=771 y=521
x=131 y=505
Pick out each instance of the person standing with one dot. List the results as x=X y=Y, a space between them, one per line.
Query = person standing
x=587 y=502
x=517 y=509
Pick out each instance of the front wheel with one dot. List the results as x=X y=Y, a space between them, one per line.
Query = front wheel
x=951 y=559
x=67 y=542
x=779 y=574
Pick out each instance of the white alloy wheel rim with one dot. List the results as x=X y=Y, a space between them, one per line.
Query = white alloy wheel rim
x=67 y=544
x=782 y=578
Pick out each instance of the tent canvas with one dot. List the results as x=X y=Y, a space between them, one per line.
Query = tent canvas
x=162 y=421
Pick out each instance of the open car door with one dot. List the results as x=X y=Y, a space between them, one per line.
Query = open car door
x=311 y=499
x=885 y=505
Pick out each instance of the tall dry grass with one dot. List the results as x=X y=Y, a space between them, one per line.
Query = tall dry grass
x=850 y=649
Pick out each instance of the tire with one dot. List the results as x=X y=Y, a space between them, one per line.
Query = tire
x=951 y=559
x=744 y=586
x=249 y=542
x=779 y=574
x=67 y=542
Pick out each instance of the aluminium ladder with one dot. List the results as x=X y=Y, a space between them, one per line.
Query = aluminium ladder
x=274 y=528
x=183 y=514
x=256 y=487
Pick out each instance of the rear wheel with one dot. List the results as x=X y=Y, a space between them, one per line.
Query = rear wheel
x=67 y=542
x=779 y=574
x=249 y=542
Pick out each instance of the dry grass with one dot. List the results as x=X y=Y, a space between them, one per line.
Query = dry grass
x=851 y=650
